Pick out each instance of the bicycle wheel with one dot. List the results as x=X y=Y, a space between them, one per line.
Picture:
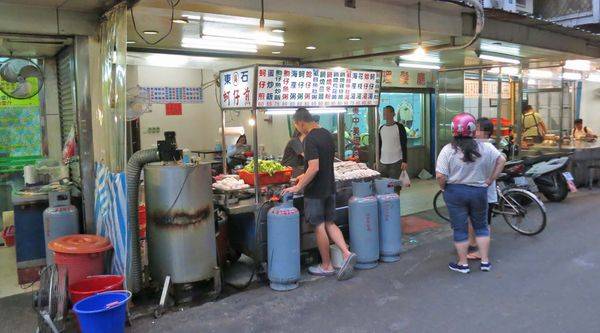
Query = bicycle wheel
x=440 y=206
x=523 y=211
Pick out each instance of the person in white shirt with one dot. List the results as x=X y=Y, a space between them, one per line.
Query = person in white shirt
x=392 y=146
x=581 y=132
x=485 y=129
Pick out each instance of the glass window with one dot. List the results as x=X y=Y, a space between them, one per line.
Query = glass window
x=356 y=137
x=409 y=111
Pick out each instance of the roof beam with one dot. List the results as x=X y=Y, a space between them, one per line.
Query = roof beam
x=535 y=36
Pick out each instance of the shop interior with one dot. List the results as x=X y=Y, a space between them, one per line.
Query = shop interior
x=37 y=123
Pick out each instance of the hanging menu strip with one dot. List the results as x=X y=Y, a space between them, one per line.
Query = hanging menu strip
x=313 y=87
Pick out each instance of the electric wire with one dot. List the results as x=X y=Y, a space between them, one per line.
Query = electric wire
x=172 y=4
x=420 y=40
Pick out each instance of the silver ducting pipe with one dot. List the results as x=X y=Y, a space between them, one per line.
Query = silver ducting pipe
x=134 y=169
x=479 y=23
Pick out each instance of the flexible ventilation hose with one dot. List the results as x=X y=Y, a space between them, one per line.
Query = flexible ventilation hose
x=134 y=169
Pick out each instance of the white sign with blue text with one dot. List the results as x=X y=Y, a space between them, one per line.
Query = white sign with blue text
x=237 y=88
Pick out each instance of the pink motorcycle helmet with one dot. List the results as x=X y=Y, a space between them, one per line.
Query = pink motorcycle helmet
x=464 y=125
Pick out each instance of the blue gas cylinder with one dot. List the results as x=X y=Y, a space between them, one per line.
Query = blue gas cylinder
x=390 y=226
x=283 y=246
x=364 y=225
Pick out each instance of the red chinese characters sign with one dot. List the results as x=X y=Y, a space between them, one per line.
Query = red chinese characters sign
x=237 y=88
x=313 y=87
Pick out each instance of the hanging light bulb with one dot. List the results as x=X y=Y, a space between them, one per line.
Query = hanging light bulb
x=420 y=52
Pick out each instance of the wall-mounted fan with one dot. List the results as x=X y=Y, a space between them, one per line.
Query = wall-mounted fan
x=138 y=103
x=20 y=78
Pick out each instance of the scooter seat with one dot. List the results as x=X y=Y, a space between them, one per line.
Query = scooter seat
x=528 y=161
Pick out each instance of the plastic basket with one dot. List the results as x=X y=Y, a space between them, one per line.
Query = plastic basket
x=279 y=177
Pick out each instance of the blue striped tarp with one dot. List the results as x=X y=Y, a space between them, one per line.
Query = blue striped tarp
x=111 y=214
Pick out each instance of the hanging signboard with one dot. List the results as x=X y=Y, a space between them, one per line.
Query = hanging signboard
x=237 y=88
x=280 y=87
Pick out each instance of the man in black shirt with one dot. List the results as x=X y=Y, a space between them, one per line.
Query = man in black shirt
x=318 y=183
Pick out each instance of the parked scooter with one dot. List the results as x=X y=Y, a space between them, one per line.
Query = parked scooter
x=548 y=173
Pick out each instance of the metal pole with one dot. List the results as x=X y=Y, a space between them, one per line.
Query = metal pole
x=375 y=136
x=341 y=137
x=480 y=101
x=518 y=111
x=255 y=157
x=255 y=141
x=499 y=109
x=562 y=107
x=223 y=144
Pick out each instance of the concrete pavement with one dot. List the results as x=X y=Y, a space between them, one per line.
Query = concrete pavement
x=546 y=283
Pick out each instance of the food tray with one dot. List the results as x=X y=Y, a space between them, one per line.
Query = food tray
x=279 y=177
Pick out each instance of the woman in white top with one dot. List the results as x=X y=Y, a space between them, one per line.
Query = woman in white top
x=465 y=169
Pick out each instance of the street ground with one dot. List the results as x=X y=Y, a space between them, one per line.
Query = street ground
x=546 y=283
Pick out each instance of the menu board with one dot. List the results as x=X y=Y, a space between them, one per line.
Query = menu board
x=313 y=87
x=237 y=88
x=489 y=89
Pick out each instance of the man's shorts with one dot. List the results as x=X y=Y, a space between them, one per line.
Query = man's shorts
x=319 y=210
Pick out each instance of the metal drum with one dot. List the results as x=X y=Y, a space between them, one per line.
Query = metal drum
x=283 y=246
x=364 y=225
x=180 y=222
x=390 y=226
x=60 y=219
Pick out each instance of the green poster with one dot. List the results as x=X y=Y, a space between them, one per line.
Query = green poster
x=20 y=127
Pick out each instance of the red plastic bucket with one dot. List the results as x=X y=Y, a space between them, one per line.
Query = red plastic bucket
x=93 y=285
x=83 y=255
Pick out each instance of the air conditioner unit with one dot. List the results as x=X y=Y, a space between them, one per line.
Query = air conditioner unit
x=525 y=6
x=513 y=6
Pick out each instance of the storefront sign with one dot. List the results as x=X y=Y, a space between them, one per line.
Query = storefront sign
x=237 y=88
x=313 y=87
x=408 y=78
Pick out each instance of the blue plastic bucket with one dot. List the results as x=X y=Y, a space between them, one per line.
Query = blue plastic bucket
x=103 y=312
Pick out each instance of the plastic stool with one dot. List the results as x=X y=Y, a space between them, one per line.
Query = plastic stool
x=591 y=169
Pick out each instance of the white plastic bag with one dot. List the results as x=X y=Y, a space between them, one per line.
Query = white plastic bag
x=404 y=179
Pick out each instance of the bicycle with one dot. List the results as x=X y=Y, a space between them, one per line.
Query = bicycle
x=518 y=207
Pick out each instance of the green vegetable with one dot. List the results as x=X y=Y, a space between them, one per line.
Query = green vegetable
x=264 y=166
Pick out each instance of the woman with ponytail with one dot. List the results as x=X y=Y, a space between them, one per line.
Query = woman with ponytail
x=465 y=169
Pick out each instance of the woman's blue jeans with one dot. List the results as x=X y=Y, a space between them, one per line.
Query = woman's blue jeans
x=466 y=202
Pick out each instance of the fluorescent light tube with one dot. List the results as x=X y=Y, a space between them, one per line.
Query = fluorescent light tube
x=594 y=77
x=420 y=58
x=578 y=65
x=571 y=76
x=197 y=43
x=540 y=74
x=499 y=59
x=414 y=65
x=242 y=40
x=209 y=30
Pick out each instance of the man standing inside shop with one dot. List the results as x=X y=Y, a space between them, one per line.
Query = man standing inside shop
x=392 y=145
x=318 y=184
